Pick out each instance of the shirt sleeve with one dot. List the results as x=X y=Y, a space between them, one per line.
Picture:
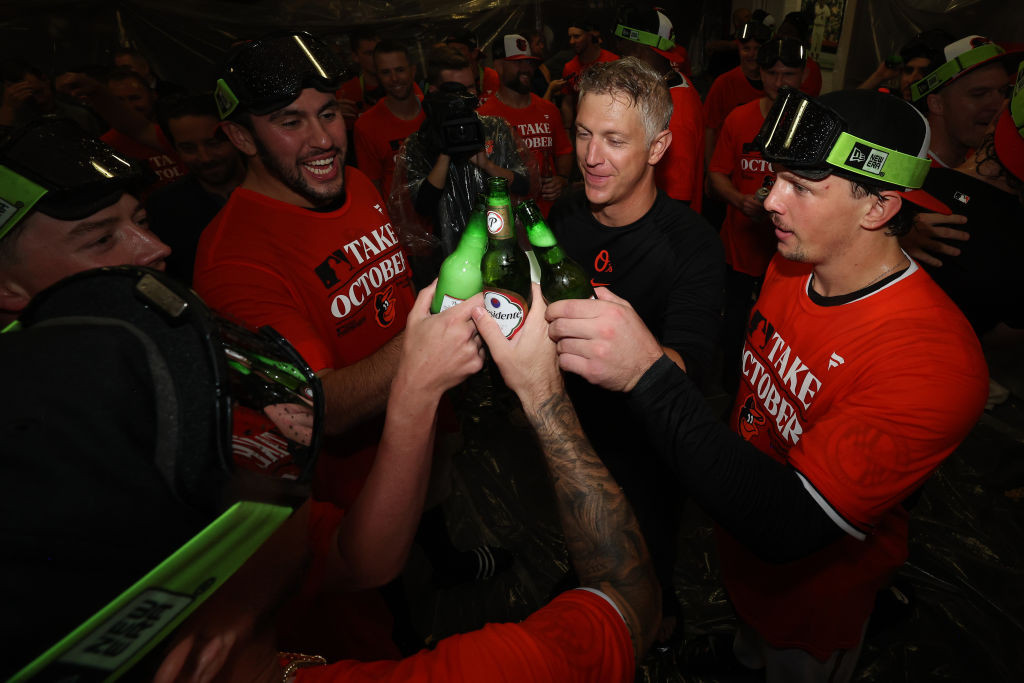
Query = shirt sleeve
x=577 y=638
x=257 y=296
x=723 y=160
x=366 y=156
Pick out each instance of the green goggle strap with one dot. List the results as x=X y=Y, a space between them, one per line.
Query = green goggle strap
x=878 y=162
x=119 y=635
x=225 y=98
x=644 y=38
x=18 y=195
x=951 y=69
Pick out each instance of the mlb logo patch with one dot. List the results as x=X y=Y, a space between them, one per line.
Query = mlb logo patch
x=867 y=159
x=961 y=197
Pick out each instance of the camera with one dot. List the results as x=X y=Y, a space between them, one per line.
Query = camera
x=451 y=116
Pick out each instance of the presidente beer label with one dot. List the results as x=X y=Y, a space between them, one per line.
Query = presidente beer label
x=507 y=308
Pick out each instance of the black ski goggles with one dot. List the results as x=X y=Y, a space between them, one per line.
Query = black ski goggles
x=811 y=140
x=53 y=165
x=789 y=51
x=264 y=75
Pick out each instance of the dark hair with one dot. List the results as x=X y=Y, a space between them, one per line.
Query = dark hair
x=444 y=58
x=903 y=219
x=178 y=106
x=123 y=73
x=14 y=70
x=362 y=34
x=389 y=46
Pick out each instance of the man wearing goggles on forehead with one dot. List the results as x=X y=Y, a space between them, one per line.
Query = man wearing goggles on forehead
x=741 y=177
x=858 y=377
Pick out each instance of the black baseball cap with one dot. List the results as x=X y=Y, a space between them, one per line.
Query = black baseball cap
x=463 y=36
x=862 y=135
x=754 y=30
x=649 y=27
x=961 y=57
x=264 y=75
x=790 y=51
x=53 y=166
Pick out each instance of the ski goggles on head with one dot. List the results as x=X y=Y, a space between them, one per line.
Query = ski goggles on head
x=264 y=75
x=645 y=38
x=53 y=165
x=1017 y=101
x=789 y=51
x=811 y=140
x=953 y=68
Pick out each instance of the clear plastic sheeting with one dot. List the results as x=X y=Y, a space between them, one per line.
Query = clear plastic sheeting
x=963 y=620
x=882 y=26
x=426 y=241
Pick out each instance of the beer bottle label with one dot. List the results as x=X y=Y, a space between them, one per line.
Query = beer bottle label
x=507 y=308
x=448 y=301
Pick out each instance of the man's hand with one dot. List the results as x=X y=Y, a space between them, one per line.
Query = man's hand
x=752 y=207
x=349 y=109
x=551 y=188
x=528 y=362
x=440 y=351
x=923 y=241
x=604 y=341
x=17 y=94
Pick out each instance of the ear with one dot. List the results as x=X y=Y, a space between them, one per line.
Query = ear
x=935 y=104
x=240 y=137
x=881 y=212
x=13 y=296
x=662 y=141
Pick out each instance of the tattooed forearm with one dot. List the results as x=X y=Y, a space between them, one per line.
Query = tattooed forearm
x=601 y=532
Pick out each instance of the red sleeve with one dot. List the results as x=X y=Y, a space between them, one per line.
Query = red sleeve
x=577 y=638
x=812 y=79
x=714 y=104
x=723 y=160
x=680 y=172
x=260 y=296
x=367 y=157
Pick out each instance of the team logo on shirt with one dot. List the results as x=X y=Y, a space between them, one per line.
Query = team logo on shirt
x=384 y=302
x=750 y=419
x=602 y=264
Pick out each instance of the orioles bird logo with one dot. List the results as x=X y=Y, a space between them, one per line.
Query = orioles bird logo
x=750 y=419
x=384 y=302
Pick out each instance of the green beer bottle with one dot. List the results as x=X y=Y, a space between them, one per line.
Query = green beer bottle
x=460 y=276
x=506 y=272
x=560 y=276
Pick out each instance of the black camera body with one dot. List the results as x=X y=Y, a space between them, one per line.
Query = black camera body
x=452 y=118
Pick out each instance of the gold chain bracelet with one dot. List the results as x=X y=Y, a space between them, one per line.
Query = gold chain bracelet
x=292 y=661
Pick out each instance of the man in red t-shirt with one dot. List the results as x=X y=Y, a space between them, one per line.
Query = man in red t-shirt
x=361 y=92
x=126 y=102
x=736 y=174
x=648 y=35
x=736 y=86
x=859 y=377
x=380 y=132
x=536 y=120
x=585 y=40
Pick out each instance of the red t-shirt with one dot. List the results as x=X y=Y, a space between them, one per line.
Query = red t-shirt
x=578 y=637
x=540 y=127
x=574 y=67
x=680 y=173
x=379 y=135
x=729 y=91
x=748 y=245
x=335 y=284
x=864 y=400
x=812 y=79
x=163 y=161
x=488 y=83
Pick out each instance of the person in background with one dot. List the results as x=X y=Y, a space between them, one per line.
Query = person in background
x=179 y=212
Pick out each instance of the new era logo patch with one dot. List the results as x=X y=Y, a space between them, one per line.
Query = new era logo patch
x=867 y=158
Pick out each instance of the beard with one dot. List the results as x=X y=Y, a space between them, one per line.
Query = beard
x=292 y=178
x=518 y=85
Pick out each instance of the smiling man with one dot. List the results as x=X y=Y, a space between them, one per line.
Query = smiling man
x=380 y=132
x=859 y=377
x=653 y=251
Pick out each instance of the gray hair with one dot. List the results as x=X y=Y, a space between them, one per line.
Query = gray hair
x=641 y=85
